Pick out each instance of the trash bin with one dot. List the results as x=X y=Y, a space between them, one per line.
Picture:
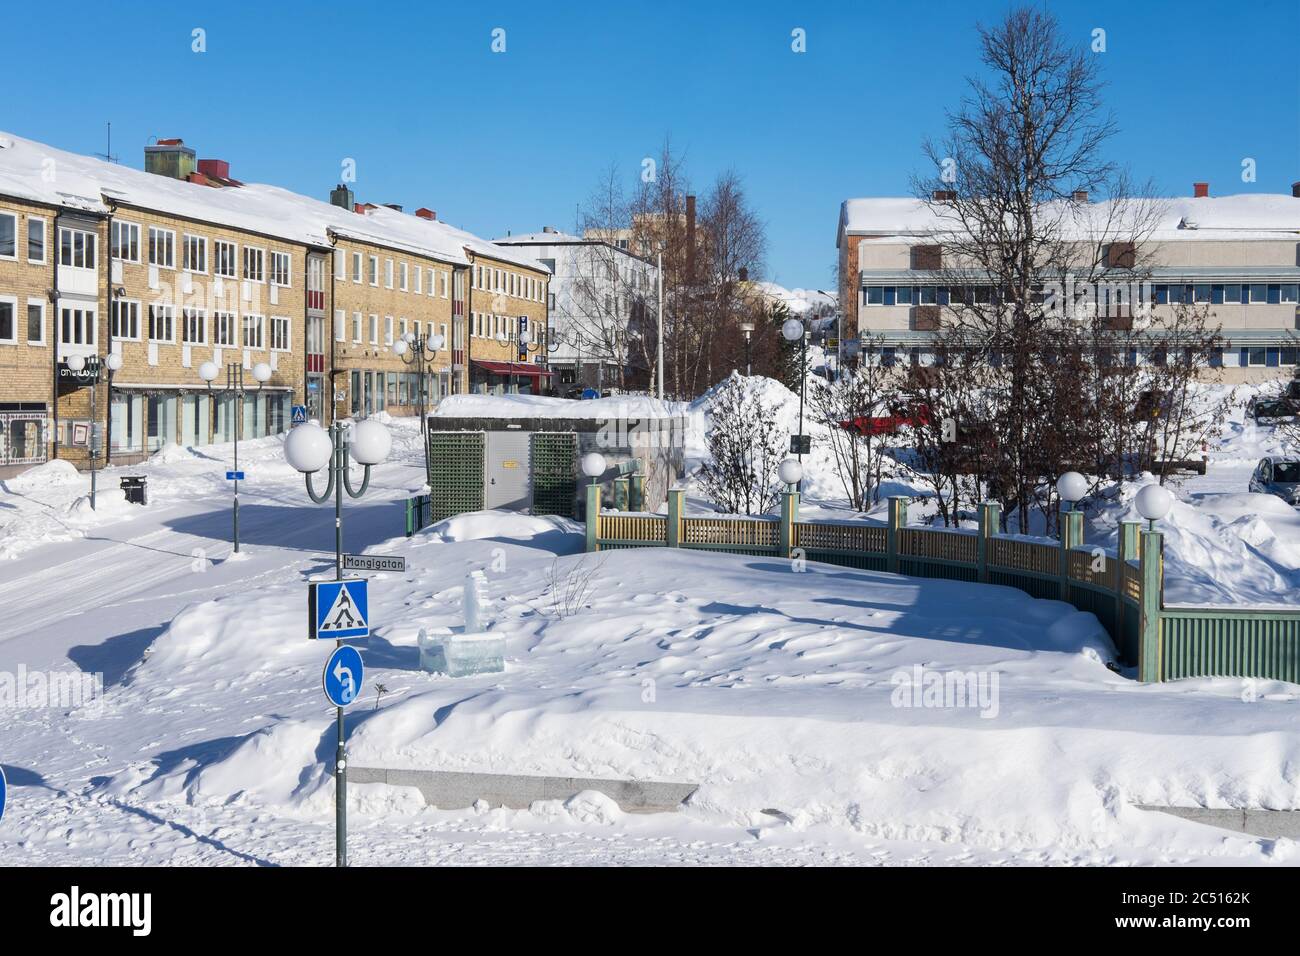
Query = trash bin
x=134 y=488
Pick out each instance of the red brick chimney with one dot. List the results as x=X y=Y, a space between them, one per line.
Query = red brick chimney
x=424 y=213
x=215 y=168
x=1295 y=190
x=1200 y=190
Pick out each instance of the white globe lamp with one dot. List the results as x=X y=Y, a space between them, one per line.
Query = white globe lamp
x=1072 y=487
x=113 y=361
x=1154 y=502
x=791 y=471
x=208 y=371
x=76 y=362
x=593 y=464
x=400 y=346
x=262 y=372
x=370 y=443
x=307 y=448
x=437 y=342
x=792 y=330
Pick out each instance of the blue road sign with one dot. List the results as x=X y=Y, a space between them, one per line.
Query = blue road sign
x=337 y=609
x=343 y=675
x=299 y=416
x=234 y=476
x=4 y=792
x=590 y=393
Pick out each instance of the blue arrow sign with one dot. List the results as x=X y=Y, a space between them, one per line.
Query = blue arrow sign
x=343 y=675
x=337 y=609
x=4 y=792
x=234 y=476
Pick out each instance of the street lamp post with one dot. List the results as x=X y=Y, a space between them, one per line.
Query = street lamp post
x=527 y=345
x=208 y=371
x=659 y=345
x=415 y=349
x=308 y=449
x=1153 y=503
x=76 y=363
x=748 y=329
x=793 y=330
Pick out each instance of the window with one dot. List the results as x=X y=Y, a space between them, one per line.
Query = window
x=388 y=273
x=36 y=322
x=388 y=330
x=194 y=326
x=401 y=275
x=443 y=277
x=401 y=324
x=253 y=325
x=356 y=326
x=76 y=249
x=35 y=239
x=196 y=254
x=162 y=248
x=280 y=269
x=1274 y=294
x=1258 y=293
x=903 y=295
x=340 y=325
x=419 y=281
x=279 y=333
x=374 y=270
x=340 y=264
x=223 y=329
x=1201 y=293
x=224 y=256
x=478 y=277
x=162 y=320
x=77 y=326
x=254 y=264
x=8 y=236
x=356 y=267
x=431 y=285
x=1289 y=291
x=1256 y=356
x=374 y=329
x=1232 y=293
x=124 y=238
x=125 y=320
x=873 y=295
x=926 y=294
x=8 y=320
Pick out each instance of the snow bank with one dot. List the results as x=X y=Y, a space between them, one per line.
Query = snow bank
x=542 y=406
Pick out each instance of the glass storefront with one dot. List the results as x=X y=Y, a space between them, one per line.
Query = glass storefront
x=161 y=424
x=127 y=423
x=195 y=412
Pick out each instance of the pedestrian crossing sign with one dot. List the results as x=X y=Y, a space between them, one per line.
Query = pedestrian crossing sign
x=337 y=609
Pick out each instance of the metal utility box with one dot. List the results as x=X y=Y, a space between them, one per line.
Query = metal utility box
x=532 y=464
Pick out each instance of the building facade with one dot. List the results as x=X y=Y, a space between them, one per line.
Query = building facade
x=601 y=295
x=1237 y=255
x=180 y=264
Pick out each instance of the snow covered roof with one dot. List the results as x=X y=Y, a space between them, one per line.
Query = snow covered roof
x=799 y=301
x=542 y=238
x=1242 y=216
x=41 y=173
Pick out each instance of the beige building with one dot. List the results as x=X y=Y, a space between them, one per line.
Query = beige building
x=1238 y=255
x=181 y=264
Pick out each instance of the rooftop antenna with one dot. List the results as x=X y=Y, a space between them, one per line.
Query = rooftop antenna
x=107 y=154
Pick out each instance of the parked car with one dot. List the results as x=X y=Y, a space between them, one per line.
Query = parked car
x=888 y=424
x=1265 y=410
x=1278 y=475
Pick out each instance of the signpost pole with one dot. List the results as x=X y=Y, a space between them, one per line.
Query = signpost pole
x=238 y=402
x=90 y=441
x=340 y=756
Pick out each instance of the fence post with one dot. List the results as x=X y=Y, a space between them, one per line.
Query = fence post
x=409 y=530
x=789 y=515
x=593 y=516
x=1126 y=550
x=1071 y=525
x=636 y=493
x=897 y=521
x=673 y=526
x=1153 y=571
x=620 y=493
x=988 y=513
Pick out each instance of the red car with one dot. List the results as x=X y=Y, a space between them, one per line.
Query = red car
x=888 y=424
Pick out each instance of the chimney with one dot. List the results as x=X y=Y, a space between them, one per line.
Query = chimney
x=361 y=208
x=944 y=195
x=690 y=239
x=341 y=196
x=170 y=158
x=1295 y=190
x=428 y=214
x=395 y=207
x=548 y=229
x=214 y=168
x=1079 y=195
x=1200 y=190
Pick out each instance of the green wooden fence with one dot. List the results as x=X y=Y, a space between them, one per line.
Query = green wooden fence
x=1124 y=587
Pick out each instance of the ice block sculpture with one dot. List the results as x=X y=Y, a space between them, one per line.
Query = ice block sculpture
x=470 y=650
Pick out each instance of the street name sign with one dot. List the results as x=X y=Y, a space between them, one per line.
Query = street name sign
x=373 y=562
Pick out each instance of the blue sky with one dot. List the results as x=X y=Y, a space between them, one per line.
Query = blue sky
x=513 y=141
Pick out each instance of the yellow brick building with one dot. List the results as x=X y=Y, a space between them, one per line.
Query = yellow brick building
x=181 y=264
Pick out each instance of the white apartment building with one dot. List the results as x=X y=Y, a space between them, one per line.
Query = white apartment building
x=1239 y=255
x=601 y=294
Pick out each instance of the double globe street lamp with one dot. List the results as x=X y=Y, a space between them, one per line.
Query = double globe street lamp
x=77 y=363
x=793 y=330
x=262 y=373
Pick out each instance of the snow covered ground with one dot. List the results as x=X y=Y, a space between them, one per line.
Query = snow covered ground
x=802 y=703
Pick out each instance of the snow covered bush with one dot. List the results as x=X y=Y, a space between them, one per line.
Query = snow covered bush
x=745 y=446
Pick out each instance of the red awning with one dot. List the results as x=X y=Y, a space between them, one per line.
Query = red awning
x=512 y=368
